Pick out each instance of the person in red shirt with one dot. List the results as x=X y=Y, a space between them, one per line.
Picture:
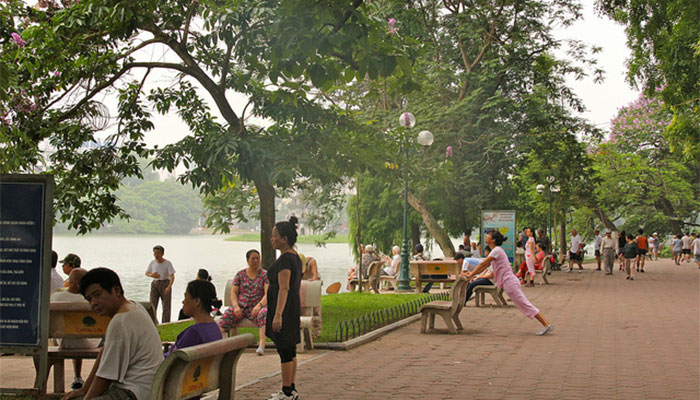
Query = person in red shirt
x=539 y=258
x=642 y=247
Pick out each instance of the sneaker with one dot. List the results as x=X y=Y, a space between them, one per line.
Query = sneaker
x=580 y=270
x=77 y=384
x=627 y=277
x=570 y=270
x=260 y=351
x=546 y=330
x=281 y=396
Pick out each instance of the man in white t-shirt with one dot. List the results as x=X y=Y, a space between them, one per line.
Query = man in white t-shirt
x=163 y=274
x=132 y=351
x=71 y=294
x=596 y=247
x=576 y=251
x=686 y=240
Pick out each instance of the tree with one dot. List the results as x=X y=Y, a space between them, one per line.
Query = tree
x=486 y=71
x=664 y=36
x=280 y=54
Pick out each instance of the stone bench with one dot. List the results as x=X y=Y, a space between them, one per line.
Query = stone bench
x=448 y=310
x=495 y=292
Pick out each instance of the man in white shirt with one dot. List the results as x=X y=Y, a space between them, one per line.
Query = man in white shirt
x=132 y=351
x=163 y=274
x=608 y=247
x=56 y=278
x=596 y=247
x=575 y=251
x=686 y=240
x=696 y=248
x=71 y=294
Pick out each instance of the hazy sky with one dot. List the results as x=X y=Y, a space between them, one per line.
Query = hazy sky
x=601 y=100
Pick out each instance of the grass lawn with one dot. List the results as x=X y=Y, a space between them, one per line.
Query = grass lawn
x=335 y=308
x=255 y=237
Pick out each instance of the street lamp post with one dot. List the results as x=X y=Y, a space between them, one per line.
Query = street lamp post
x=425 y=138
x=550 y=193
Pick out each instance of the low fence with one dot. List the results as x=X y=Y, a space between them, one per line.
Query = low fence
x=356 y=327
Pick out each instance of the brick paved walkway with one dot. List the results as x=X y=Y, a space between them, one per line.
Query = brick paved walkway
x=613 y=339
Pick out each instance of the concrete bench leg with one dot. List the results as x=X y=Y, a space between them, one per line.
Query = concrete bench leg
x=423 y=320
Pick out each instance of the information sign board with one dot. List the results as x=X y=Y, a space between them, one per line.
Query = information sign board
x=504 y=222
x=25 y=238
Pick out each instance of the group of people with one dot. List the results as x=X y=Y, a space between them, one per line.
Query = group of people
x=131 y=350
x=683 y=247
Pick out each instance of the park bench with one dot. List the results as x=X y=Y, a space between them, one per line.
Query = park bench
x=195 y=370
x=495 y=292
x=436 y=267
x=372 y=280
x=385 y=280
x=546 y=266
x=448 y=310
x=310 y=297
x=75 y=321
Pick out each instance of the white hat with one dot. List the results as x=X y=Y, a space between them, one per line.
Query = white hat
x=369 y=248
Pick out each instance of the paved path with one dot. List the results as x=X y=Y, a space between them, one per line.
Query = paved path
x=614 y=338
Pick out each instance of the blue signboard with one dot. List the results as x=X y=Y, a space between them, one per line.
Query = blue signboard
x=504 y=222
x=22 y=213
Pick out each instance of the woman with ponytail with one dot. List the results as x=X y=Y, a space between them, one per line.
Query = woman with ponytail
x=200 y=298
x=506 y=279
x=284 y=305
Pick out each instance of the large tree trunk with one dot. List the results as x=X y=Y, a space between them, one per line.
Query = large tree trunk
x=562 y=236
x=433 y=226
x=266 y=193
x=666 y=207
x=604 y=218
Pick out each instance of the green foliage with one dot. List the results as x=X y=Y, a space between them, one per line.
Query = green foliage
x=665 y=40
x=255 y=237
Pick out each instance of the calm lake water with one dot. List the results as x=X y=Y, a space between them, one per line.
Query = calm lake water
x=129 y=256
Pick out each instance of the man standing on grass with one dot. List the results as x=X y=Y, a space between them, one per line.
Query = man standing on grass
x=163 y=274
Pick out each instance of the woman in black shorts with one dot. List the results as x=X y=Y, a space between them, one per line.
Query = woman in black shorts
x=284 y=305
x=621 y=242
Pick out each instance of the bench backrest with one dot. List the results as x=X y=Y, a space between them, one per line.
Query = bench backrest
x=435 y=267
x=458 y=295
x=194 y=370
x=77 y=320
x=310 y=296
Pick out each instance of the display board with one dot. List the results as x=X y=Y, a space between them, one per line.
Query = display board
x=504 y=222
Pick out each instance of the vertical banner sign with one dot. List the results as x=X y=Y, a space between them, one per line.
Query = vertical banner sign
x=23 y=216
x=504 y=222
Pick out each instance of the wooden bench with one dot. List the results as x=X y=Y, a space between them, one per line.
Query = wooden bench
x=448 y=310
x=195 y=370
x=75 y=321
x=309 y=296
x=392 y=280
x=494 y=291
x=448 y=267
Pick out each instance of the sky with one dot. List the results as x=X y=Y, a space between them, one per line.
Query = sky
x=602 y=100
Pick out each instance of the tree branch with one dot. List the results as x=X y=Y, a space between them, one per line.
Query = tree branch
x=227 y=65
x=348 y=14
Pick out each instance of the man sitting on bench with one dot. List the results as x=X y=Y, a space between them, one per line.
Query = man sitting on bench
x=132 y=351
x=71 y=294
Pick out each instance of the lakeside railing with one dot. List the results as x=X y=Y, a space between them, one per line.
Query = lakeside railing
x=349 y=329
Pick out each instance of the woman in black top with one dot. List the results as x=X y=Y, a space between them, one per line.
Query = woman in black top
x=621 y=242
x=284 y=305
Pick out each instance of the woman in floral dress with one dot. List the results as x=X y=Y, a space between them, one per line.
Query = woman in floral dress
x=249 y=298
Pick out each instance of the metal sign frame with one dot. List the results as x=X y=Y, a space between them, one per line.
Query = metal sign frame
x=40 y=349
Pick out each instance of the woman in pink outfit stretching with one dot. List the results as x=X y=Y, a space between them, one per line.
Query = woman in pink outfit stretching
x=506 y=279
x=530 y=255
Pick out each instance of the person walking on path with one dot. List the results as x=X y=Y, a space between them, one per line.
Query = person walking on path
x=621 y=242
x=284 y=305
x=696 y=249
x=687 y=240
x=163 y=274
x=653 y=247
x=630 y=252
x=505 y=278
x=575 y=251
x=530 y=255
x=596 y=247
x=608 y=246
x=642 y=248
x=676 y=249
